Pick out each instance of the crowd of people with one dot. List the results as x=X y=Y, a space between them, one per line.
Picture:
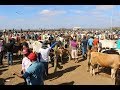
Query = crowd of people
x=35 y=65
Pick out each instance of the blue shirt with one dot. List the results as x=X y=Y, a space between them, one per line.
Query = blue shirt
x=35 y=73
x=118 y=44
x=90 y=42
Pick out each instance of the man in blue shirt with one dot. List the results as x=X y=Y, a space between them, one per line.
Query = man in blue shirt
x=84 y=47
x=34 y=72
x=118 y=43
x=90 y=43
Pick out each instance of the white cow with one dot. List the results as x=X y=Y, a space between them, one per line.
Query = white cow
x=35 y=45
x=107 y=43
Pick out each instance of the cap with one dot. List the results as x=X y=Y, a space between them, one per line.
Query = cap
x=32 y=56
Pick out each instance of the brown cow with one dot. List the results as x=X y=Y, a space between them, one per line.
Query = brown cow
x=60 y=51
x=104 y=60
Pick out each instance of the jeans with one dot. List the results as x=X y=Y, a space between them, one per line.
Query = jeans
x=46 y=68
x=84 y=50
x=1 y=57
x=10 y=58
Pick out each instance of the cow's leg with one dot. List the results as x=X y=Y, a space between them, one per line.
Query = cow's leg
x=69 y=55
x=113 y=71
x=88 y=64
x=98 y=69
x=91 y=72
x=55 y=63
x=61 y=58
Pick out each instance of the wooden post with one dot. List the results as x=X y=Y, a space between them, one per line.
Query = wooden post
x=55 y=59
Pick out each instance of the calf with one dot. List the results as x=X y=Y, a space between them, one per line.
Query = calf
x=104 y=60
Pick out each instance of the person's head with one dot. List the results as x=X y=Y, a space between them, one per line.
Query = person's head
x=12 y=41
x=44 y=44
x=25 y=45
x=32 y=57
x=74 y=38
x=84 y=37
x=26 y=52
x=92 y=37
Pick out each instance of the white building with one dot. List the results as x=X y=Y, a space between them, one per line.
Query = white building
x=76 y=28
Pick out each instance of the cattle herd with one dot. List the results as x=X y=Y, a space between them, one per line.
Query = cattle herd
x=106 y=55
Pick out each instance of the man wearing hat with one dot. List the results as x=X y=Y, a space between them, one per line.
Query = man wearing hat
x=44 y=55
x=25 y=62
x=34 y=71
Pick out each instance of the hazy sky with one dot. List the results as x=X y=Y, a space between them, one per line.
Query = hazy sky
x=57 y=16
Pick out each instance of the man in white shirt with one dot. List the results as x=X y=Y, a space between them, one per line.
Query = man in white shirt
x=44 y=55
x=25 y=62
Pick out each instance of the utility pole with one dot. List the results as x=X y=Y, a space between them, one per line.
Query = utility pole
x=112 y=19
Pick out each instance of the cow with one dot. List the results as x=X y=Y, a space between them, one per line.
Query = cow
x=104 y=60
x=107 y=43
x=61 y=51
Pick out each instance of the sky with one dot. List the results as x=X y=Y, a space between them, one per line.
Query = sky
x=59 y=16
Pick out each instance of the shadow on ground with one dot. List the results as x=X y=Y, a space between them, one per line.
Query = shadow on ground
x=17 y=62
x=9 y=78
x=2 y=81
x=104 y=70
x=60 y=73
x=22 y=83
x=67 y=83
x=3 y=66
x=82 y=59
x=1 y=71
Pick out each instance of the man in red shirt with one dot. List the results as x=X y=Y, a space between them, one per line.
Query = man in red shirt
x=95 y=42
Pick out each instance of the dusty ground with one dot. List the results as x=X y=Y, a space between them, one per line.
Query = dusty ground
x=71 y=74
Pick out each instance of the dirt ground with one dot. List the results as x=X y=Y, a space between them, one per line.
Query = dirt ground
x=71 y=74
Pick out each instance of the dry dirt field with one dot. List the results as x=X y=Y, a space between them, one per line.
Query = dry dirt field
x=71 y=74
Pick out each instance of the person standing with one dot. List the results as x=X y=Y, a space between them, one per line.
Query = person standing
x=35 y=71
x=95 y=42
x=74 y=45
x=25 y=62
x=90 y=43
x=118 y=43
x=44 y=52
x=1 y=51
x=9 y=47
x=84 y=47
